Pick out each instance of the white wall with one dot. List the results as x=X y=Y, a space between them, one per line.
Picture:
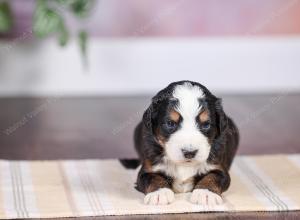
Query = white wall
x=142 y=66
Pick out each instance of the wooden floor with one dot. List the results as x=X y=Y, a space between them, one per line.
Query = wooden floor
x=68 y=128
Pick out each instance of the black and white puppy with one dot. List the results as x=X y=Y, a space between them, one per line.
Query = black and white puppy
x=186 y=143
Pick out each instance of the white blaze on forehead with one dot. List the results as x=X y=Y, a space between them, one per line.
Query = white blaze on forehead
x=188 y=136
x=188 y=97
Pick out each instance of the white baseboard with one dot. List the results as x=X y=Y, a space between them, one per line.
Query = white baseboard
x=143 y=66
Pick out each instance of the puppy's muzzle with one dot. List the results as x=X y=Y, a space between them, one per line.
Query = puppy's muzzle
x=189 y=154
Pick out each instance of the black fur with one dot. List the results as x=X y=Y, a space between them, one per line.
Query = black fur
x=130 y=163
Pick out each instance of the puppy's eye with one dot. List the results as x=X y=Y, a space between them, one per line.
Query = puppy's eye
x=205 y=125
x=170 y=124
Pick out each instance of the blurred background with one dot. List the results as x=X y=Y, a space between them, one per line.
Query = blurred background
x=76 y=76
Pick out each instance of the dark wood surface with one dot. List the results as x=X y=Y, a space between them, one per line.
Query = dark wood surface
x=102 y=127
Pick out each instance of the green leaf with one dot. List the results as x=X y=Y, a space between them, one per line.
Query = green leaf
x=63 y=36
x=65 y=2
x=81 y=7
x=83 y=37
x=6 y=18
x=46 y=20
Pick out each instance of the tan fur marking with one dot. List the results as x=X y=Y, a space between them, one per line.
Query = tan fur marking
x=160 y=138
x=157 y=183
x=148 y=166
x=209 y=182
x=204 y=116
x=174 y=116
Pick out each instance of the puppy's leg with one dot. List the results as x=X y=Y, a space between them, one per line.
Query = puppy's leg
x=208 y=188
x=157 y=188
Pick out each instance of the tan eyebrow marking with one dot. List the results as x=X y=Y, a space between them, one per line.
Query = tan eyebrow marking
x=204 y=116
x=174 y=115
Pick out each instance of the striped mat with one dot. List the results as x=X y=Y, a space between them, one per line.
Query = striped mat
x=40 y=189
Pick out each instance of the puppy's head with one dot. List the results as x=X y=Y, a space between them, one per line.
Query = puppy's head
x=185 y=119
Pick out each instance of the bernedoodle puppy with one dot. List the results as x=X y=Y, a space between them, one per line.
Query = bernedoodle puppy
x=185 y=143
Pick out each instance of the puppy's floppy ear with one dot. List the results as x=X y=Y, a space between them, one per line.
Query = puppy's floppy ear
x=148 y=117
x=221 y=118
x=151 y=114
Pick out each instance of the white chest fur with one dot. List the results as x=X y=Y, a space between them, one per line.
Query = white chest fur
x=183 y=174
x=184 y=178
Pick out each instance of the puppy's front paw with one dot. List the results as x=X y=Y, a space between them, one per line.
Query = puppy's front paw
x=162 y=196
x=206 y=198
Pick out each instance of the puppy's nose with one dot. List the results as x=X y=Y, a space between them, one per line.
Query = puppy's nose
x=189 y=154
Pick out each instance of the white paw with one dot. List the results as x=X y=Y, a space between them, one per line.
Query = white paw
x=206 y=198
x=162 y=196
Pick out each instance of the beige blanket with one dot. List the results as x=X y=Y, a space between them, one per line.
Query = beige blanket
x=38 y=189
